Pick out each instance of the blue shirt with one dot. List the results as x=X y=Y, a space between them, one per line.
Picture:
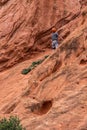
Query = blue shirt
x=54 y=36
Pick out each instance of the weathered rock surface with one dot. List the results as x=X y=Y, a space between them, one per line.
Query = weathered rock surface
x=25 y=26
x=60 y=87
x=54 y=95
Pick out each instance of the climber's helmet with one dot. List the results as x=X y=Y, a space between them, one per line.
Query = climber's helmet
x=54 y=30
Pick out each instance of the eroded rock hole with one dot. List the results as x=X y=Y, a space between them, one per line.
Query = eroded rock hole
x=41 y=108
x=83 y=62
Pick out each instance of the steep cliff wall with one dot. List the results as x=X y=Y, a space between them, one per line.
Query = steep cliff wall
x=53 y=96
x=25 y=26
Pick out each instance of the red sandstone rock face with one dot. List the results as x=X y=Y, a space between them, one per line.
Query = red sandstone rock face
x=54 y=95
x=25 y=26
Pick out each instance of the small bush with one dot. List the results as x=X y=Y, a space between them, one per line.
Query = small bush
x=13 y=123
x=33 y=65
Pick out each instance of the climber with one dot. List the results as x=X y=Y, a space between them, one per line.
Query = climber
x=54 y=38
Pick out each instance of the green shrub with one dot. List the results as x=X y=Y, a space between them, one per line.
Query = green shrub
x=33 y=65
x=13 y=123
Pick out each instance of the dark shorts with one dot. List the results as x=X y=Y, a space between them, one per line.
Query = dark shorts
x=54 y=44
